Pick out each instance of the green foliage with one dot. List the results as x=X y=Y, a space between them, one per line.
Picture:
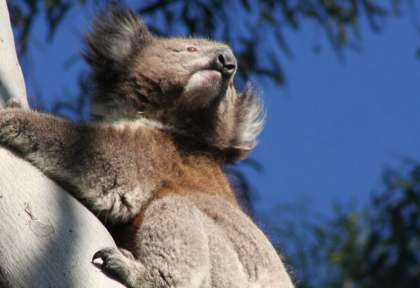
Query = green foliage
x=376 y=247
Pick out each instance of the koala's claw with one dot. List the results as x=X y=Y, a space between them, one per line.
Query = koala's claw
x=105 y=255
x=16 y=131
x=9 y=126
x=13 y=103
x=115 y=263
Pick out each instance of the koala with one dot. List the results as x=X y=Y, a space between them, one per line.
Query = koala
x=166 y=119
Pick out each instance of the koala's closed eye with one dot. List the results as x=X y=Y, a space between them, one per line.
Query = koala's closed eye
x=192 y=49
x=183 y=49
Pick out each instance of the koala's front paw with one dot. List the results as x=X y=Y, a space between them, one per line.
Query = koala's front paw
x=10 y=102
x=14 y=130
x=13 y=103
x=11 y=126
x=117 y=263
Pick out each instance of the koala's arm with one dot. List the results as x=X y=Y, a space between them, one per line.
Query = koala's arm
x=87 y=160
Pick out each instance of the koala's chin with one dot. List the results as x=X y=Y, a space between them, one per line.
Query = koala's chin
x=204 y=86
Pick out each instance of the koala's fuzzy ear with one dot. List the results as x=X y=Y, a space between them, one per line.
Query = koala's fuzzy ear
x=115 y=35
x=250 y=118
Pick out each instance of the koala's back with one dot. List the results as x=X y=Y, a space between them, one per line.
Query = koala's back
x=209 y=238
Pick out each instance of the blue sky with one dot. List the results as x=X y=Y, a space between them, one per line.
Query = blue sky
x=330 y=132
x=336 y=126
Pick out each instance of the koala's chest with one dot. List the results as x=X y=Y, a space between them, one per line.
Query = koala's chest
x=149 y=160
x=177 y=177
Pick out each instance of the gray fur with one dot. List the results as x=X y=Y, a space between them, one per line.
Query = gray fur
x=154 y=164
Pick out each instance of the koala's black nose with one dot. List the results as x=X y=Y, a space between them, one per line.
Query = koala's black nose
x=226 y=62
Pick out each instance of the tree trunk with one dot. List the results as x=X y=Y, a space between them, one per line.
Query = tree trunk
x=47 y=238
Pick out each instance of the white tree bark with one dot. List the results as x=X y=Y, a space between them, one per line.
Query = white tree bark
x=47 y=238
x=12 y=86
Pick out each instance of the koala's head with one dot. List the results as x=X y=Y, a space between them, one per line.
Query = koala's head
x=186 y=83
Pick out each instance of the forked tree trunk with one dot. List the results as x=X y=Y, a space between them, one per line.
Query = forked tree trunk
x=47 y=238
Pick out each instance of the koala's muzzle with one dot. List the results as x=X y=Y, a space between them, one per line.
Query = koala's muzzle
x=225 y=62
